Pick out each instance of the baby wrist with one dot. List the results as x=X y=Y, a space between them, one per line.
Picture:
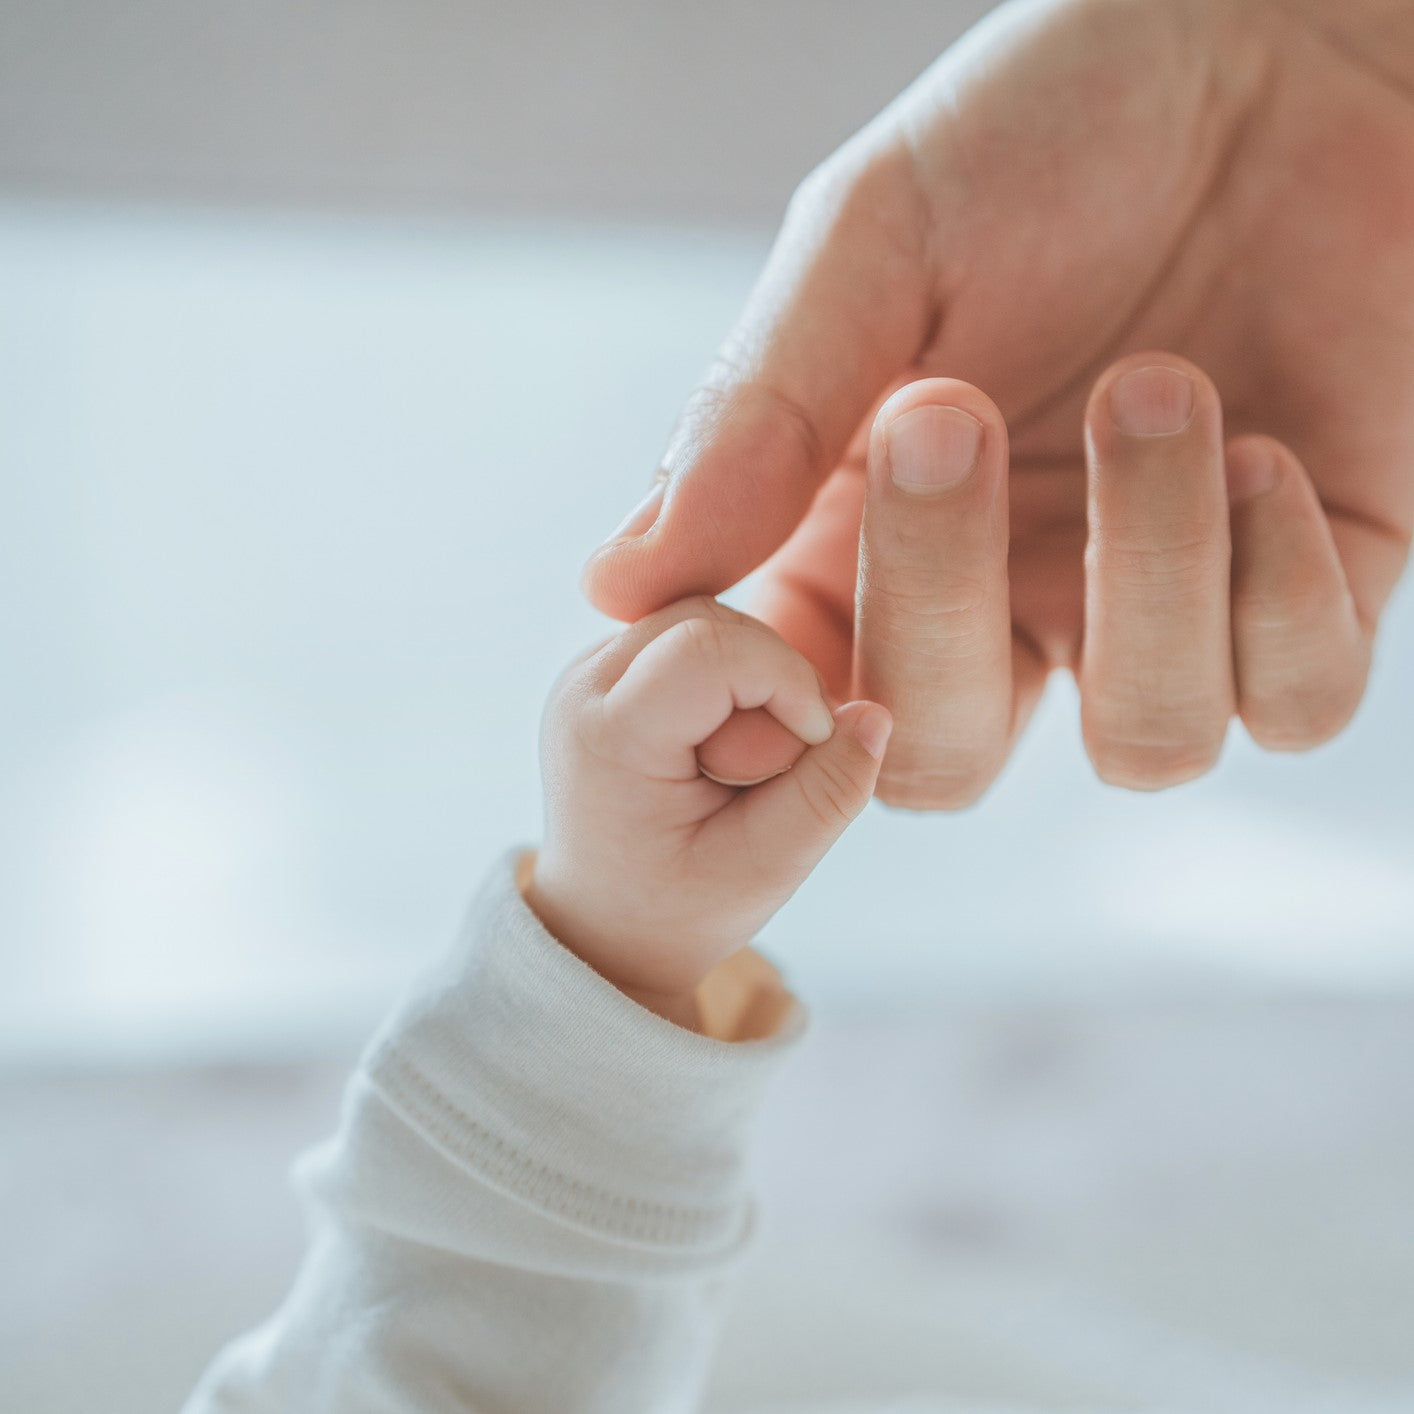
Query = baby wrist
x=741 y=998
x=676 y=1003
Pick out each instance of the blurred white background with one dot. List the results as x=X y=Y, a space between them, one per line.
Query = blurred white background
x=334 y=337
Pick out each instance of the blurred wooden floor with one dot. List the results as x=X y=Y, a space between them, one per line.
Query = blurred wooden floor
x=1188 y=1206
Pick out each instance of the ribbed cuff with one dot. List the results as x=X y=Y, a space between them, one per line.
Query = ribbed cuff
x=527 y=1068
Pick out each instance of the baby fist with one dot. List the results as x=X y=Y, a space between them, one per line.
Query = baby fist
x=651 y=871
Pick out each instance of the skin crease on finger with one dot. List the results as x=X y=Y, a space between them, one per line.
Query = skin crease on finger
x=1235 y=187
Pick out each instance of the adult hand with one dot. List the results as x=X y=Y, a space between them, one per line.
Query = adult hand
x=1174 y=240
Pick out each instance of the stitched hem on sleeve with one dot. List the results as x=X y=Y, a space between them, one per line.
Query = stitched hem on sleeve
x=524 y=1066
x=474 y=1146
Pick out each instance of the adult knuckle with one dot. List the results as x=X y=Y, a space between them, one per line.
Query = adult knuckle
x=905 y=793
x=913 y=592
x=1154 y=733
x=736 y=394
x=1284 y=620
x=1300 y=714
x=1177 y=558
x=1300 y=677
x=1303 y=631
x=786 y=419
x=952 y=620
x=1153 y=762
x=950 y=785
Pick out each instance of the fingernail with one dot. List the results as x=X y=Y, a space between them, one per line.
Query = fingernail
x=1152 y=402
x=932 y=448
x=873 y=729
x=640 y=518
x=1251 y=472
x=821 y=724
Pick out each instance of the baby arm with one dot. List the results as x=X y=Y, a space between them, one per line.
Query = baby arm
x=538 y=1182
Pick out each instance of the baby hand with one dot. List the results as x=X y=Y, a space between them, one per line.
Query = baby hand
x=652 y=872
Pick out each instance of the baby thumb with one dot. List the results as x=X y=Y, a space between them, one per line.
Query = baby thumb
x=804 y=811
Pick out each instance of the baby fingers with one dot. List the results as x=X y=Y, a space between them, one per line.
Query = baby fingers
x=688 y=679
x=792 y=821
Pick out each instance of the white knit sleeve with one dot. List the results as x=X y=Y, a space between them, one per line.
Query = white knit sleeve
x=532 y=1198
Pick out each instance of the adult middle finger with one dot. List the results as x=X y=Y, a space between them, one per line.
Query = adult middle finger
x=933 y=638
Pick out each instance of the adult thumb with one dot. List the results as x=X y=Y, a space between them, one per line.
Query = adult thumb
x=834 y=318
